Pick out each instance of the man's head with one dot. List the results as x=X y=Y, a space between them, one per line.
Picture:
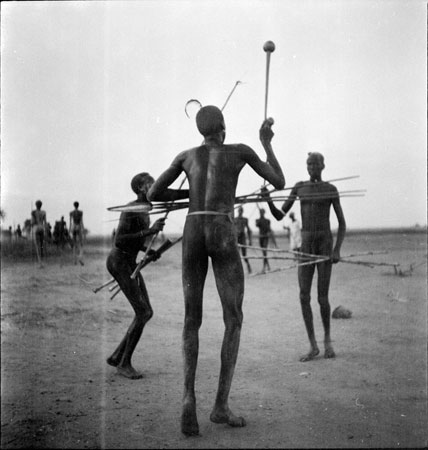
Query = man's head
x=210 y=120
x=142 y=182
x=262 y=212
x=291 y=215
x=240 y=210
x=38 y=204
x=315 y=165
x=76 y=204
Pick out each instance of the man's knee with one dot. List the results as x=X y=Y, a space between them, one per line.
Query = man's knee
x=323 y=301
x=144 y=314
x=305 y=298
x=233 y=318
x=193 y=322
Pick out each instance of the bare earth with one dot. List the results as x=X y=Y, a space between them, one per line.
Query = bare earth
x=58 y=392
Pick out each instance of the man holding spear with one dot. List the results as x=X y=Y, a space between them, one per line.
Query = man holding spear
x=132 y=232
x=316 y=198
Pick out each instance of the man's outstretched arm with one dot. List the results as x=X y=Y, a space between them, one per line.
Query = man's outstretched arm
x=279 y=214
x=159 y=190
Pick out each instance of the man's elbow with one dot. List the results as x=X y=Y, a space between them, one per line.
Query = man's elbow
x=152 y=194
x=279 y=183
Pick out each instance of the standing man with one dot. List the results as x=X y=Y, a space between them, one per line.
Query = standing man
x=316 y=198
x=76 y=232
x=263 y=225
x=130 y=238
x=18 y=232
x=242 y=230
x=212 y=170
x=38 y=223
x=61 y=236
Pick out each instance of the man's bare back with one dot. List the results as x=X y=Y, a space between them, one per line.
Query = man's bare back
x=212 y=170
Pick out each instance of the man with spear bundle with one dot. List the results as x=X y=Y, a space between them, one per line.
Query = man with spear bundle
x=316 y=198
x=131 y=235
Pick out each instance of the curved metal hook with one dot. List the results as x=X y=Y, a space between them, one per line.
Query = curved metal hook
x=192 y=100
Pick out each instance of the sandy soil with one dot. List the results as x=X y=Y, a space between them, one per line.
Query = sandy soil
x=58 y=392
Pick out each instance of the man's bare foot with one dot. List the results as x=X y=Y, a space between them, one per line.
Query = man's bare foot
x=112 y=362
x=226 y=416
x=311 y=355
x=129 y=372
x=189 y=422
x=329 y=352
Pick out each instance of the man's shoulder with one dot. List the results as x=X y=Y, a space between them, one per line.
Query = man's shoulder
x=300 y=184
x=330 y=186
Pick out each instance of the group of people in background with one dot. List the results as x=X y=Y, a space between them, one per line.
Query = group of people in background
x=40 y=231
x=266 y=234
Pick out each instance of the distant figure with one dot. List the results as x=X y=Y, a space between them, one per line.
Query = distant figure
x=316 y=198
x=212 y=170
x=76 y=232
x=272 y=238
x=60 y=234
x=49 y=232
x=18 y=232
x=9 y=234
x=263 y=225
x=295 y=233
x=242 y=230
x=38 y=224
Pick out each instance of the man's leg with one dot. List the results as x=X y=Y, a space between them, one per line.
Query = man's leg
x=229 y=278
x=305 y=274
x=266 y=245
x=136 y=293
x=41 y=243
x=244 y=253
x=195 y=266
x=75 y=246
x=80 y=241
x=324 y=275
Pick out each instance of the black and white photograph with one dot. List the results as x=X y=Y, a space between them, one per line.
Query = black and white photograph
x=213 y=224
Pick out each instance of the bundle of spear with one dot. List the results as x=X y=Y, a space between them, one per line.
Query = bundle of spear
x=305 y=259
x=143 y=263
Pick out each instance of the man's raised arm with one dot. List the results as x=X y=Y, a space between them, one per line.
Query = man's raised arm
x=269 y=170
x=266 y=134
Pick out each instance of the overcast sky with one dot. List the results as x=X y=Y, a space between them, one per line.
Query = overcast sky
x=94 y=92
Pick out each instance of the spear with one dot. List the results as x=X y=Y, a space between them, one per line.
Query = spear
x=163 y=248
x=264 y=248
x=148 y=248
x=291 y=187
x=231 y=92
x=307 y=263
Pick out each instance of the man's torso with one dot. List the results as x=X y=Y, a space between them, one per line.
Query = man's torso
x=263 y=225
x=315 y=202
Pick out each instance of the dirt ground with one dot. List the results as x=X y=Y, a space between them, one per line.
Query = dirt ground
x=58 y=392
